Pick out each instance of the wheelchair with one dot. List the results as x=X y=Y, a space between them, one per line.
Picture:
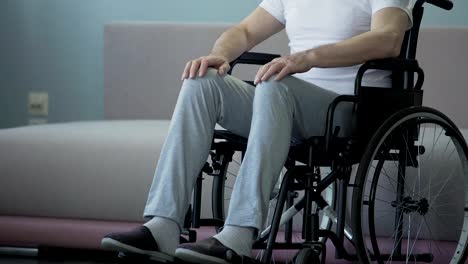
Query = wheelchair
x=409 y=196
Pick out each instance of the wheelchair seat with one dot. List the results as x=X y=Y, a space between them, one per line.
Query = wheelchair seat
x=231 y=137
x=300 y=151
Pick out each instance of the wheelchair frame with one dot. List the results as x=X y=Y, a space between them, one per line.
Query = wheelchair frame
x=337 y=152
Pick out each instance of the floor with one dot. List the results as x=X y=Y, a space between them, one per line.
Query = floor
x=100 y=257
x=9 y=260
x=35 y=261
x=68 y=256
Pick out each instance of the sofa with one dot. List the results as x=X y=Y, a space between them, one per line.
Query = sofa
x=81 y=180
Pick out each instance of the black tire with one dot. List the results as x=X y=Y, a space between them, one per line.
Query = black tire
x=228 y=173
x=222 y=187
x=218 y=192
x=400 y=140
x=307 y=256
x=217 y=197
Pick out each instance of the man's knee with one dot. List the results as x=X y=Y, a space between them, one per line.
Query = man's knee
x=271 y=86
x=210 y=75
x=209 y=83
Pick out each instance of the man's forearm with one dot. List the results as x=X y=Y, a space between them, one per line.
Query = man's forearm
x=356 y=50
x=231 y=44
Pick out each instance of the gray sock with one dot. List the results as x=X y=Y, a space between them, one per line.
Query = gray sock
x=166 y=232
x=238 y=238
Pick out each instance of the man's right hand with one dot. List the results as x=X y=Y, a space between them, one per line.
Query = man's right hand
x=200 y=66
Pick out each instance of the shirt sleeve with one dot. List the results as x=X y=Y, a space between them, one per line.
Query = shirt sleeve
x=404 y=5
x=275 y=8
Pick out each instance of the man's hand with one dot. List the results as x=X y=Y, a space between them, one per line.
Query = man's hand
x=200 y=66
x=294 y=63
x=255 y=28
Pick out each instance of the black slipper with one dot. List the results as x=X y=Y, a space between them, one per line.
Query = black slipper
x=207 y=251
x=139 y=240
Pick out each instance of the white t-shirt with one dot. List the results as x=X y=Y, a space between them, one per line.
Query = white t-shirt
x=313 y=23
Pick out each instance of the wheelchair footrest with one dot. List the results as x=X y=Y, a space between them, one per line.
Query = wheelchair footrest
x=126 y=257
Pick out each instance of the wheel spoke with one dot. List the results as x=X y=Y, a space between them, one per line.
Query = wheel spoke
x=400 y=173
x=394 y=237
x=435 y=141
x=431 y=236
x=438 y=171
x=391 y=181
x=408 y=239
x=445 y=204
x=443 y=186
x=396 y=206
x=415 y=239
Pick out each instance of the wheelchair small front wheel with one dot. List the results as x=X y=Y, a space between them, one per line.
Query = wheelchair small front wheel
x=307 y=256
x=412 y=196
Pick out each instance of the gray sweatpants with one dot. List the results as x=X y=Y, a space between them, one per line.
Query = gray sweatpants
x=270 y=115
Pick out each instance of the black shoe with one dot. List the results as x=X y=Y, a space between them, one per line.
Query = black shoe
x=207 y=251
x=139 y=240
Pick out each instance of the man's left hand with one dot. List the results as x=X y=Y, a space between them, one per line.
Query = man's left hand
x=283 y=66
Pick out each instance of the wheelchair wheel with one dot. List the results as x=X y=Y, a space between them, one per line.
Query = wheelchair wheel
x=307 y=256
x=223 y=186
x=411 y=204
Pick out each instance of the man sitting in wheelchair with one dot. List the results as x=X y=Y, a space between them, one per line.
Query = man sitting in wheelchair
x=329 y=40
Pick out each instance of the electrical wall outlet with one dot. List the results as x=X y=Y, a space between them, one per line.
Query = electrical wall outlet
x=38 y=103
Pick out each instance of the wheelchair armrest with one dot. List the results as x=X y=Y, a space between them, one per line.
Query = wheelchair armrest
x=390 y=64
x=255 y=58
x=331 y=115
